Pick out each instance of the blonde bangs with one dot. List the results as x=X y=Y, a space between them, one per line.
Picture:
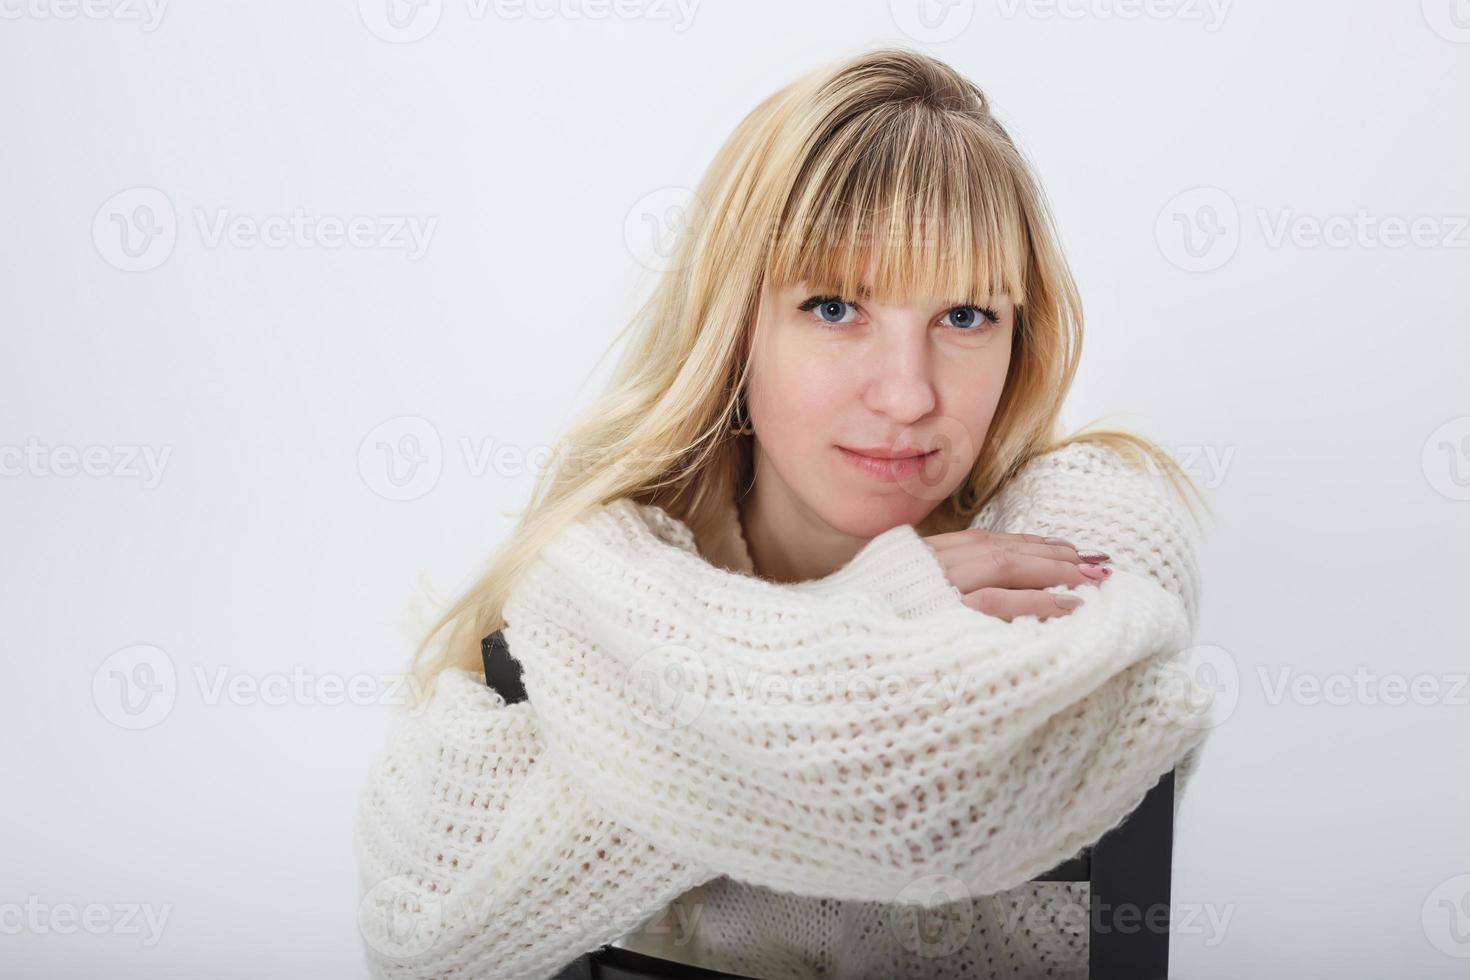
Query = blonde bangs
x=928 y=198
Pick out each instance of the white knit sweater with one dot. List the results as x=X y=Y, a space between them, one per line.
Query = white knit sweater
x=766 y=778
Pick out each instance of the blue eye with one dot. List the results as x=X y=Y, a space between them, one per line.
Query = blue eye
x=967 y=321
x=830 y=309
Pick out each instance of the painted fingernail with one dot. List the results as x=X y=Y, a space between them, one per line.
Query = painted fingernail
x=1095 y=571
x=1094 y=556
x=1061 y=541
x=1066 y=601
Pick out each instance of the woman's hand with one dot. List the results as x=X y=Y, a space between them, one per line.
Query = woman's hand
x=1004 y=575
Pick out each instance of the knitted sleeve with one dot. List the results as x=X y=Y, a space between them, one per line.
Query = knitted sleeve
x=1139 y=522
x=844 y=737
x=479 y=858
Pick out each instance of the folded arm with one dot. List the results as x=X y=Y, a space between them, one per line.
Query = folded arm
x=1044 y=734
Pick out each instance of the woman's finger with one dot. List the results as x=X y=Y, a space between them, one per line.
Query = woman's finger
x=950 y=539
x=978 y=540
x=1007 y=604
x=971 y=537
x=1016 y=567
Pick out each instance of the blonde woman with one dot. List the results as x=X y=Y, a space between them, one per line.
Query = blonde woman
x=828 y=464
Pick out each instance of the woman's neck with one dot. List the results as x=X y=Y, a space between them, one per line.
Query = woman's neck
x=786 y=544
x=780 y=539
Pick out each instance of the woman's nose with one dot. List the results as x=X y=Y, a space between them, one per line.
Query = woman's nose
x=900 y=381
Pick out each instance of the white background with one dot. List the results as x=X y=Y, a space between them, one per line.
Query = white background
x=1318 y=392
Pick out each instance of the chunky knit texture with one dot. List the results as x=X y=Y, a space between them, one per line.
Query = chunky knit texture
x=771 y=778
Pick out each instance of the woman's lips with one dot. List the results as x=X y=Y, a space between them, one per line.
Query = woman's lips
x=885 y=469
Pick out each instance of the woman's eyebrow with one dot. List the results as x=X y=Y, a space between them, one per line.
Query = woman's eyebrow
x=863 y=292
x=866 y=292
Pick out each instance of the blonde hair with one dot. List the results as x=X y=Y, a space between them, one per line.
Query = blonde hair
x=888 y=147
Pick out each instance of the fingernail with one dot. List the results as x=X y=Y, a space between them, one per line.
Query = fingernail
x=1094 y=556
x=1061 y=541
x=1066 y=601
x=1095 y=571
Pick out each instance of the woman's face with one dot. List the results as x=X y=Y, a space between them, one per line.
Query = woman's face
x=831 y=375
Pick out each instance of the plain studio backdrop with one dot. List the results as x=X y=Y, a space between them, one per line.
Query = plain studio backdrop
x=296 y=296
